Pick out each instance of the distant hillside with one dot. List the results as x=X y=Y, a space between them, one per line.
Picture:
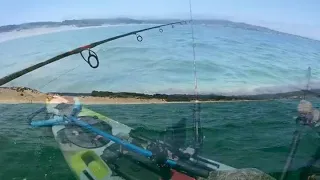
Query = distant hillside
x=113 y=21
x=190 y=97
x=179 y=97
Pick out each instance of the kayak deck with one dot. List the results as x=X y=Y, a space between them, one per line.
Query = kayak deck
x=118 y=163
x=94 y=157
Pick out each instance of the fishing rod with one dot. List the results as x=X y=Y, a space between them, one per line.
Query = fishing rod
x=92 y=55
x=296 y=135
x=197 y=129
x=195 y=158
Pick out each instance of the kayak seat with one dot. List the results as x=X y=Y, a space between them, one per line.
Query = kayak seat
x=88 y=164
x=132 y=166
x=129 y=165
x=82 y=137
x=64 y=109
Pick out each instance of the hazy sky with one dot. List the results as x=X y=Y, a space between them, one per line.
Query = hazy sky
x=294 y=16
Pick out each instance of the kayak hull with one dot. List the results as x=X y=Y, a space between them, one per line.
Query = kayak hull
x=99 y=161
x=73 y=153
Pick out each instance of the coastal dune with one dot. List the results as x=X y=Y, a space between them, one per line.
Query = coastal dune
x=16 y=95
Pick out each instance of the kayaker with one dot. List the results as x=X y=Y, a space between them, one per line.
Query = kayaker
x=52 y=102
x=311 y=117
x=307 y=114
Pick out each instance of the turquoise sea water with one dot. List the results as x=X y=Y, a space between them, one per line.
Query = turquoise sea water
x=229 y=60
x=240 y=134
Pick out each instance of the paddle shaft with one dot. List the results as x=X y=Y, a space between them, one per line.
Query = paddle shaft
x=179 y=165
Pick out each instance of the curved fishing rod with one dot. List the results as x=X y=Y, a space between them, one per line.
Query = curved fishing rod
x=88 y=47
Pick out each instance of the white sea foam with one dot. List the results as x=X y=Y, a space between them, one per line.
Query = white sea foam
x=5 y=36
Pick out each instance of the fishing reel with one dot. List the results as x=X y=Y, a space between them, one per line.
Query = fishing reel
x=160 y=153
x=304 y=119
x=307 y=114
x=308 y=119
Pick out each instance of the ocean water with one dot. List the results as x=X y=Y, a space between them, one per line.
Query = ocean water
x=240 y=134
x=229 y=60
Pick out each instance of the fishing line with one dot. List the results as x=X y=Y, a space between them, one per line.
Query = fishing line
x=56 y=78
x=5 y=109
x=38 y=151
x=93 y=56
x=41 y=87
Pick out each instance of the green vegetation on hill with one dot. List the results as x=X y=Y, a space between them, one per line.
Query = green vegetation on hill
x=206 y=97
x=166 y=97
x=183 y=97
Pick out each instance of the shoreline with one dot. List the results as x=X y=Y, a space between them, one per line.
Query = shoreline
x=43 y=30
x=37 y=31
x=24 y=95
x=121 y=102
x=126 y=20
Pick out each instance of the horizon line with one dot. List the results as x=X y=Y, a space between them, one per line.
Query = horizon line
x=180 y=19
x=141 y=19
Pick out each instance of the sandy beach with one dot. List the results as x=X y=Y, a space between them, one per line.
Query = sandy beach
x=17 y=95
